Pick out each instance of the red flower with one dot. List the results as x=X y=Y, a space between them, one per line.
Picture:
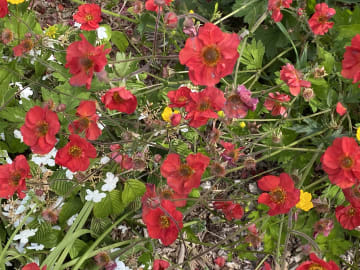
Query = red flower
x=231 y=210
x=323 y=226
x=238 y=104
x=89 y=15
x=183 y=177
x=341 y=161
x=160 y=222
x=171 y=20
x=12 y=177
x=210 y=56
x=160 y=265
x=3 y=8
x=274 y=103
x=120 y=99
x=180 y=97
x=282 y=196
x=275 y=5
x=83 y=59
x=253 y=238
x=293 y=79
x=153 y=5
x=319 y=21
x=340 y=109
x=39 y=130
x=353 y=195
x=75 y=154
x=202 y=106
x=348 y=217
x=33 y=266
x=317 y=263
x=267 y=266
x=220 y=261
x=351 y=61
x=25 y=46
x=231 y=153
x=88 y=120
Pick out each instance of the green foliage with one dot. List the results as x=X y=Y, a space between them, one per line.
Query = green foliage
x=132 y=189
x=111 y=204
x=120 y=40
x=252 y=11
x=253 y=55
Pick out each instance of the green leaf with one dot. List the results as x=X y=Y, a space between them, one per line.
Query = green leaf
x=77 y=247
x=13 y=114
x=120 y=40
x=253 y=55
x=116 y=202
x=70 y=208
x=103 y=208
x=328 y=60
x=61 y=187
x=99 y=225
x=133 y=188
x=124 y=68
x=250 y=10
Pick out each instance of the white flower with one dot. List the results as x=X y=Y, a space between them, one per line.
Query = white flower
x=123 y=229
x=71 y=220
x=120 y=265
x=94 y=196
x=110 y=182
x=26 y=93
x=100 y=125
x=69 y=174
x=42 y=160
x=101 y=32
x=206 y=185
x=18 y=135
x=2 y=136
x=143 y=116
x=36 y=246
x=24 y=235
x=76 y=24
x=104 y=160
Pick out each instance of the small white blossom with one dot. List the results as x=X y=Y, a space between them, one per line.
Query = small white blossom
x=2 y=136
x=77 y=25
x=69 y=174
x=123 y=228
x=26 y=93
x=104 y=160
x=35 y=246
x=110 y=182
x=56 y=227
x=71 y=220
x=101 y=32
x=120 y=265
x=42 y=160
x=143 y=116
x=206 y=185
x=24 y=235
x=94 y=196
x=18 y=135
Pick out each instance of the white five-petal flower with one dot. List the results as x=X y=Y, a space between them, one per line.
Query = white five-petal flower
x=94 y=196
x=110 y=182
x=24 y=235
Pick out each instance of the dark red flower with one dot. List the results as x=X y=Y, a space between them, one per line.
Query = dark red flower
x=348 y=216
x=202 y=106
x=275 y=7
x=317 y=263
x=150 y=199
x=210 y=56
x=282 y=196
x=39 y=130
x=323 y=226
x=340 y=109
x=89 y=15
x=75 y=154
x=25 y=46
x=231 y=210
x=238 y=104
x=268 y=267
x=164 y=222
x=167 y=193
x=341 y=161
x=253 y=238
x=319 y=23
x=274 y=103
x=183 y=177
x=231 y=153
x=220 y=261
x=33 y=266
x=3 y=8
x=12 y=177
x=293 y=79
x=120 y=99
x=351 y=61
x=180 y=97
x=160 y=265
x=83 y=59
x=88 y=120
x=156 y=5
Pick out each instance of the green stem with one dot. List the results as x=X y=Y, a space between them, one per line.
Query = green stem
x=234 y=12
x=278 y=252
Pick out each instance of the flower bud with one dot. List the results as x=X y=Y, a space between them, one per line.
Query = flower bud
x=138 y=7
x=171 y=20
x=308 y=94
x=7 y=36
x=60 y=108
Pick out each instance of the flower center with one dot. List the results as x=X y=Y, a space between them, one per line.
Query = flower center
x=116 y=98
x=351 y=212
x=28 y=45
x=347 y=162
x=210 y=55
x=186 y=170
x=15 y=178
x=75 y=151
x=89 y=17
x=278 y=195
x=164 y=222
x=323 y=19
x=84 y=122
x=182 y=99
x=316 y=266
x=42 y=128
x=86 y=63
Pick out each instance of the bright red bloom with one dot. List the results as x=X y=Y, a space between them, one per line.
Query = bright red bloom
x=340 y=109
x=83 y=59
x=351 y=61
x=268 y=267
x=179 y=98
x=25 y=46
x=293 y=79
x=353 y=195
x=89 y=15
x=210 y=56
x=316 y=263
x=282 y=196
x=275 y=5
x=341 y=161
x=33 y=266
x=231 y=210
x=220 y=261
x=202 y=106
x=153 y=6
x=183 y=177
x=160 y=265
x=75 y=154
x=319 y=21
x=231 y=153
x=39 y=130
x=274 y=103
x=88 y=120
x=160 y=222
x=3 y=8
x=238 y=104
x=12 y=177
x=348 y=216
x=120 y=99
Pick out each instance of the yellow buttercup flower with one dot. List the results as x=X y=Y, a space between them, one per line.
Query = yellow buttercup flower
x=242 y=124
x=51 y=31
x=305 y=202
x=358 y=134
x=15 y=1
x=221 y=114
x=167 y=113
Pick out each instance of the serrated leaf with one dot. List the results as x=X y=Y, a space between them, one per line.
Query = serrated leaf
x=13 y=114
x=132 y=189
x=124 y=67
x=103 y=208
x=99 y=225
x=116 y=202
x=76 y=248
x=60 y=186
x=70 y=208
x=253 y=55
x=120 y=40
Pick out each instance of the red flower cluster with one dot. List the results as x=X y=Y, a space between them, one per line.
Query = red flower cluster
x=39 y=130
x=160 y=265
x=120 y=99
x=75 y=154
x=3 y=8
x=274 y=103
x=231 y=210
x=319 y=23
x=293 y=78
x=351 y=61
x=210 y=56
x=275 y=7
x=89 y=15
x=87 y=122
x=156 y=5
x=316 y=263
x=83 y=59
x=282 y=196
x=12 y=177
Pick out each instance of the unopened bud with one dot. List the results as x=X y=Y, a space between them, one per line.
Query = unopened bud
x=7 y=36
x=171 y=20
x=60 y=108
x=308 y=94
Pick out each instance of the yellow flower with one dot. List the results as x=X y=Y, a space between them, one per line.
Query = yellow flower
x=221 y=114
x=242 y=124
x=167 y=113
x=305 y=201
x=15 y=1
x=51 y=31
x=358 y=134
